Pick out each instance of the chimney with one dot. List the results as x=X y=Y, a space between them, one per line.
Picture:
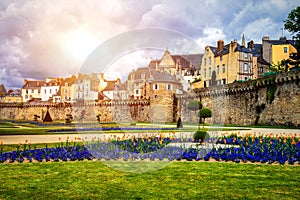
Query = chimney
x=282 y=38
x=266 y=38
x=220 y=45
x=25 y=81
x=250 y=45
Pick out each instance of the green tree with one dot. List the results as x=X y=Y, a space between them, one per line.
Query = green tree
x=280 y=66
x=292 y=24
x=205 y=113
x=195 y=105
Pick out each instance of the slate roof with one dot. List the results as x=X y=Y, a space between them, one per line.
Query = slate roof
x=194 y=59
x=281 y=42
x=2 y=89
x=162 y=76
x=110 y=86
x=30 y=84
x=138 y=73
x=183 y=62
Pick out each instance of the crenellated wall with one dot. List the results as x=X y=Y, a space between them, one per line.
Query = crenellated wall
x=115 y=111
x=272 y=100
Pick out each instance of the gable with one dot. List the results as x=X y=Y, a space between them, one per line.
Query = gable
x=167 y=60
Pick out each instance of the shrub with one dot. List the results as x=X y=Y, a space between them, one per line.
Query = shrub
x=200 y=135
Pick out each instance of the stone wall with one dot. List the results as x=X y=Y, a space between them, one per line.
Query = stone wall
x=109 y=111
x=269 y=101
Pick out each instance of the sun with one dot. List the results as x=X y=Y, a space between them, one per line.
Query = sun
x=78 y=44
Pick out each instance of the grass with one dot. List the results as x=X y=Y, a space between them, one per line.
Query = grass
x=179 y=180
x=17 y=128
x=14 y=147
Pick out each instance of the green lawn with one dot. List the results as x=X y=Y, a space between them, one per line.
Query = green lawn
x=16 y=128
x=179 y=180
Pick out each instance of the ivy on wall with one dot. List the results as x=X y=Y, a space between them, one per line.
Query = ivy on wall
x=271 y=89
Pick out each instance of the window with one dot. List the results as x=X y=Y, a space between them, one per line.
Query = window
x=223 y=68
x=137 y=92
x=45 y=91
x=155 y=87
x=132 y=76
x=17 y=100
x=246 y=78
x=39 y=91
x=285 y=49
x=245 y=67
x=221 y=58
x=209 y=71
x=204 y=61
x=66 y=91
x=169 y=87
x=50 y=91
x=223 y=81
x=218 y=69
x=143 y=76
x=26 y=96
x=209 y=60
x=32 y=91
x=245 y=55
x=204 y=73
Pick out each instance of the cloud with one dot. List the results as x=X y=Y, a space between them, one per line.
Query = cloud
x=42 y=38
x=210 y=35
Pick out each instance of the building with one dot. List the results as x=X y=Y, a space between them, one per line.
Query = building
x=65 y=89
x=31 y=90
x=232 y=62
x=50 y=89
x=13 y=97
x=3 y=92
x=136 y=82
x=85 y=88
x=184 y=68
x=274 y=51
x=160 y=90
x=109 y=91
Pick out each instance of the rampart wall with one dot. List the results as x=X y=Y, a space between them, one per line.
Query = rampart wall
x=272 y=100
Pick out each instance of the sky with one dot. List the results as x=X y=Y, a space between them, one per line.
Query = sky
x=46 y=38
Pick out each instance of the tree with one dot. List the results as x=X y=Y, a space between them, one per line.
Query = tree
x=292 y=24
x=205 y=113
x=195 y=105
x=280 y=66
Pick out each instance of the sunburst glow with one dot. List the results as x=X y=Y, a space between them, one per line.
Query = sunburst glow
x=79 y=44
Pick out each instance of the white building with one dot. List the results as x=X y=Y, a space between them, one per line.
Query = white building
x=31 y=90
x=49 y=89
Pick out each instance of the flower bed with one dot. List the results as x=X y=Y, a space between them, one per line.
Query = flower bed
x=110 y=129
x=282 y=150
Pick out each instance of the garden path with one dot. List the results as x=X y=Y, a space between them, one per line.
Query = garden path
x=16 y=139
